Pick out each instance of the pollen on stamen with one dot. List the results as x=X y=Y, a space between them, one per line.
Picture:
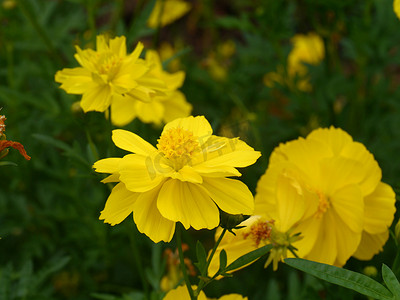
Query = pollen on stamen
x=260 y=231
x=323 y=205
x=178 y=142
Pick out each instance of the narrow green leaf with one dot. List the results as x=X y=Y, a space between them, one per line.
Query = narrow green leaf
x=248 y=258
x=138 y=27
x=391 y=281
x=201 y=258
x=348 y=279
x=223 y=259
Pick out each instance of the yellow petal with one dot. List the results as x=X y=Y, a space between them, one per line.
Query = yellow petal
x=289 y=201
x=101 y=44
x=176 y=106
x=149 y=220
x=219 y=171
x=373 y=172
x=118 y=46
x=346 y=240
x=119 y=205
x=396 y=7
x=149 y=112
x=107 y=165
x=231 y=196
x=182 y=293
x=111 y=178
x=335 y=138
x=220 y=151
x=97 y=98
x=371 y=244
x=132 y=142
x=122 y=110
x=305 y=154
x=166 y=12
x=379 y=209
x=186 y=174
x=187 y=203
x=324 y=249
x=348 y=202
x=338 y=172
x=74 y=81
x=136 y=175
x=198 y=125
x=309 y=230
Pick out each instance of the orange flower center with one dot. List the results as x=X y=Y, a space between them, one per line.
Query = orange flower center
x=260 y=231
x=108 y=64
x=178 y=145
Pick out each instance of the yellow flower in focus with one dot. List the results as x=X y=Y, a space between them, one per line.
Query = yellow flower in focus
x=109 y=75
x=164 y=107
x=166 y=12
x=181 y=293
x=182 y=180
x=307 y=49
x=347 y=209
x=396 y=7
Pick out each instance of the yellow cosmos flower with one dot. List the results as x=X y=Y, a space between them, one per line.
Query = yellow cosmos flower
x=167 y=11
x=109 y=75
x=307 y=49
x=164 y=107
x=396 y=7
x=345 y=209
x=182 y=180
x=181 y=293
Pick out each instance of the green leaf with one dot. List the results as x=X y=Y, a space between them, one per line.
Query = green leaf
x=248 y=258
x=391 y=281
x=348 y=279
x=201 y=258
x=223 y=259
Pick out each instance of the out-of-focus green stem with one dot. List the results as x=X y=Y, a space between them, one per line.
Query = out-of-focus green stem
x=396 y=264
x=119 y=5
x=156 y=37
x=182 y=263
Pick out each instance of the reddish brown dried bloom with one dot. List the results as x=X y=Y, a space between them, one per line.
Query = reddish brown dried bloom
x=5 y=144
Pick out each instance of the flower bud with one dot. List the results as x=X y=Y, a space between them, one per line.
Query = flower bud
x=230 y=222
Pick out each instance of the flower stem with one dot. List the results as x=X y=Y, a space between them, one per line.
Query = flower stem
x=396 y=264
x=202 y=282
x=182 y=263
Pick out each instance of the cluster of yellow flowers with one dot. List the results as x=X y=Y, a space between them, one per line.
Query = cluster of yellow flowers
x=130 y=86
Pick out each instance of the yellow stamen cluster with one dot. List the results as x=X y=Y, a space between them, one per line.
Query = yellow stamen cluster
x=260 y=231
x=178 y=145
x=323 y=205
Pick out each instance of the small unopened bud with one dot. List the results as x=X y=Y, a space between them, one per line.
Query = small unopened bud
x=370 y=271
x=230 y=222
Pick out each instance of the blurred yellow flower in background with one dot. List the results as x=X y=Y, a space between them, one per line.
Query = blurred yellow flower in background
x=307 y=49
x=167 y=11
x=262 y=229
x=108 y=75
x=347 y=210
x=396 y=7
x=181 y=293
x=182 y=180
x=164 y=107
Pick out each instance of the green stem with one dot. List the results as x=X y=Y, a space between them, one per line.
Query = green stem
x=202 y=282
x=138 y=262
x=182 y=263
x=156 y=37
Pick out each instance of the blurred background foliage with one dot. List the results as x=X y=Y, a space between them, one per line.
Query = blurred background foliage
x=52 y=244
